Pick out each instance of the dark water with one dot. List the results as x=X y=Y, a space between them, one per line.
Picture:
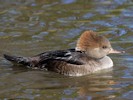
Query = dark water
x=29 y=27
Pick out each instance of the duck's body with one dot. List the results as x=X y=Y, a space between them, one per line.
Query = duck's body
x=85 y=59
x=68 y=62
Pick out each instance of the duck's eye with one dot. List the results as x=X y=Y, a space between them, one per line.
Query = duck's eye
x=104 y=47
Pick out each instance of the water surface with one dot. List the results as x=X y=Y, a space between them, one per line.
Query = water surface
x=29 y=27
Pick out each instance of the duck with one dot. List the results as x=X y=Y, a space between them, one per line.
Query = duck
x=89 y=56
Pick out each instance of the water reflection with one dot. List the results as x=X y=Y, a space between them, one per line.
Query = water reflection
x=68 y=1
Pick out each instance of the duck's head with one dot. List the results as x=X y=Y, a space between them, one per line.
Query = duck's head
x=94 y=45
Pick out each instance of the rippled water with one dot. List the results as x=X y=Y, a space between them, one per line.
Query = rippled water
x=29 y=27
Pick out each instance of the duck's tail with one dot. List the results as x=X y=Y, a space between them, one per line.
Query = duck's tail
x=18 y=60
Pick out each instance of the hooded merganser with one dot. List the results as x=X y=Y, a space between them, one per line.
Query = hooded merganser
x=89 y=56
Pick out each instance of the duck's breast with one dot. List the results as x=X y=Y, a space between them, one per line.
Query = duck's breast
x=106 y=62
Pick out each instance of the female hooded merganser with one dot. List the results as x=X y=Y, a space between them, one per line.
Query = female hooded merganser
x=89 y=56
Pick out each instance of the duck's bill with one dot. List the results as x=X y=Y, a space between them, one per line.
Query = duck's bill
x=116 y=51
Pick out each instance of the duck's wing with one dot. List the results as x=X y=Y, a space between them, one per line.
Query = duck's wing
x=70 y=56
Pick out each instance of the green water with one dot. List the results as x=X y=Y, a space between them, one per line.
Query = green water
x=29 y=27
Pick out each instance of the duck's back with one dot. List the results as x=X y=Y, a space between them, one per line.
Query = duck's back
x=39 y=61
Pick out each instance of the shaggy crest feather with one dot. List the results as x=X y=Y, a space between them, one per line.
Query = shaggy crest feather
x=86 y=40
